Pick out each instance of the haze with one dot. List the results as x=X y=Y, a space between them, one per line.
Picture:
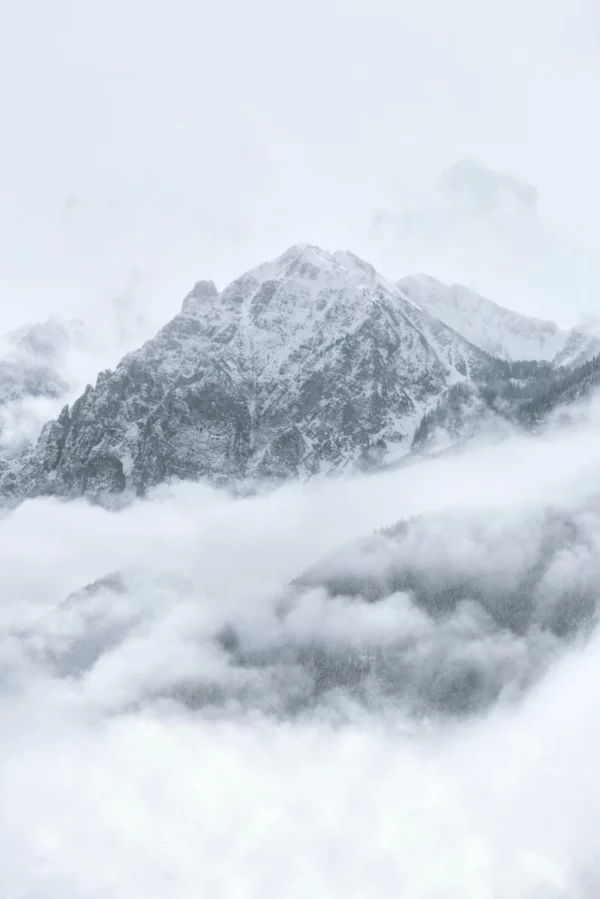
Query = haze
x=137 y=759
x=146 y=145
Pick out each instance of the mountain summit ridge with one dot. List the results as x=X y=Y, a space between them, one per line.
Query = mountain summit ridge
x=501 y=332
x=305 y=364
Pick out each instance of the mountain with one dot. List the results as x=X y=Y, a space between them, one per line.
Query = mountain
x=582 y=344
x=481 y=227
x=456 y=632
x=307 y=364
x=424 y=615
x=500 y=332
x=469 y=182
x=567 y=387
x=518 y=395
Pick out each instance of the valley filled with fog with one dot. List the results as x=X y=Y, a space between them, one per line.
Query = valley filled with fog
x=193 y=719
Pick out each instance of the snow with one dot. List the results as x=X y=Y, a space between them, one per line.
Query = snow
x=311 y=347
x=500 y=332
x=315 y=356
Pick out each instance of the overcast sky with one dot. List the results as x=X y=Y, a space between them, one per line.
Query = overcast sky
x=148 y=144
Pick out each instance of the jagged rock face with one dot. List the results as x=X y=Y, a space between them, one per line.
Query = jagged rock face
x=309 y=363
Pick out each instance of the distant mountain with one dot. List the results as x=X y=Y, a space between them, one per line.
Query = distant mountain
x=458 y=634
x=582 y=344
x=477 y=226
x=36 y=365
x=423 y=615
x=500 y=332
x=307 y=364
x=469 y=182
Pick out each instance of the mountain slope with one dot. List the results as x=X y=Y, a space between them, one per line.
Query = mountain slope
x=309 y=363
x=424 y=615
x=582 y=345
x=446 y=574
x=520 y=394
x=500 y=332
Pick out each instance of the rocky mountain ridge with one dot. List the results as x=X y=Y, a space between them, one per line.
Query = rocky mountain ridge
x=310 y=363
x=502 y=333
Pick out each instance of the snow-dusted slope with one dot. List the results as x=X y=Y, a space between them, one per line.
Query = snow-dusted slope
x=501 y=332
x=305 y=364
x=582 y=344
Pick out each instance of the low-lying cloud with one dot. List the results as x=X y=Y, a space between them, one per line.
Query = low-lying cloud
x=219 y=711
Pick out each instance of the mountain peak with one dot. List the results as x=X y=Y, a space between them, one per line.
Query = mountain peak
x=308 y=262
x=303 y=259
x=309 y=363
x=200 y=292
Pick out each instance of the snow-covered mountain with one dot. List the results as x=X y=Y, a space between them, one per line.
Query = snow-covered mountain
x=582 y=344
x=415 y=567
x=501 y=332
x=310 y=363
x=477 y=226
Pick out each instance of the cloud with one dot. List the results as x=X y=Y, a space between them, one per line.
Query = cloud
x=139 y=757
x=167 y=172
x=489 y=230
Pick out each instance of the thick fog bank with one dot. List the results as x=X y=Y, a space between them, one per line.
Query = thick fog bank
x=209 y=717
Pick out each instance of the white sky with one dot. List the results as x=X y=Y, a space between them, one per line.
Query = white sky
x=147 y=144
